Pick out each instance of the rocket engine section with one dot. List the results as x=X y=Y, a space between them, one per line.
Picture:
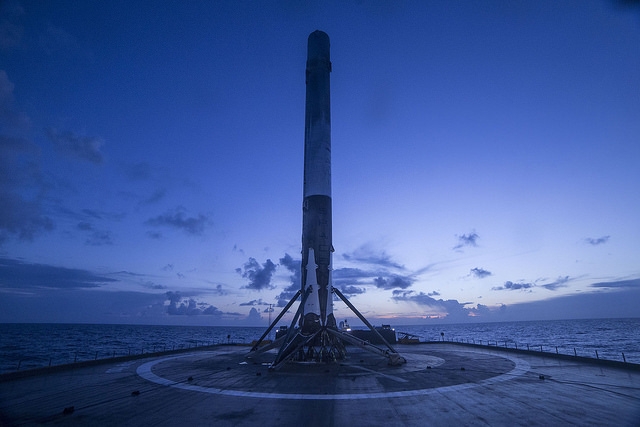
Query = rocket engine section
x=317 y=246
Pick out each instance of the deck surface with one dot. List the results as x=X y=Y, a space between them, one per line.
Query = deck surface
x=441 y=384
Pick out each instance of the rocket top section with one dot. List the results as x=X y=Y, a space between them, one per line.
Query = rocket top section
x=318 y=46
x=317 y=146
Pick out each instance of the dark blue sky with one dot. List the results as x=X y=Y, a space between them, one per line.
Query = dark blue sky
x=485 y=159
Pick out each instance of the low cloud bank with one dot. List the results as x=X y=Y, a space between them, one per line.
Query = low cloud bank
x=24 y=275
x=259 y=276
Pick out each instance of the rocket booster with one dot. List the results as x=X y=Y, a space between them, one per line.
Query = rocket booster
x=317 y=246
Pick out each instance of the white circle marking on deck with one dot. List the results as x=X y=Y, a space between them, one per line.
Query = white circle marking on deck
x=145 y=372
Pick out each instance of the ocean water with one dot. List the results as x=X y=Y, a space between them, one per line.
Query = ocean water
x=609 y=337
x=34 y=345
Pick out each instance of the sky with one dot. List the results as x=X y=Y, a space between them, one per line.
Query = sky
x=485 y=159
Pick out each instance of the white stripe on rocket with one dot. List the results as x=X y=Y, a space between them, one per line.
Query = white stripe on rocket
x=313 y=304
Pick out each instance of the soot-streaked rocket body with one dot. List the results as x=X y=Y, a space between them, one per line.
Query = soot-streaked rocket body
x=317 y=339
x=317 y=246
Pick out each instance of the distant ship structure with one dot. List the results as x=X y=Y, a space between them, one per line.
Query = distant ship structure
x=313 y=335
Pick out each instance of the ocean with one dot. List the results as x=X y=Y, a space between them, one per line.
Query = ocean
x=32 y=345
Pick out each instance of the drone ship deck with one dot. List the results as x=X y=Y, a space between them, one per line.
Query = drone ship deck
x=441 y=384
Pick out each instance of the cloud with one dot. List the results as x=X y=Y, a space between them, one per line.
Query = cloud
x=449 y=309
x=80 y=147
x=354 y=273
x=480 y=310
x=218 y=290
x=189 y=307
x=623 y=302
x=143 y=172
x=22 y=187
x=95 y=237
x=254 y=302
x=173 y=297
x=150 y=184
x=293 y=265
x=140 y=171
x=126 y=273
x=467 y=240
x=259 y=276
x=558 y=283
x=285 y=296
x=350 y=291
x=253 y=317
x=379 y=278
x=295 y=279
x=92 y=213
x=418 y=298
x=177 y=219
x=393 y=282
x=83 y=305
x=351 y=280
x=87 y=219
x=99 y=238
x=368 y=255
x=510 y=286
x=480 y=273
x=155 y=197
x=597 y=241
x=15 y=274
x=21 y=218
x=634 y=283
